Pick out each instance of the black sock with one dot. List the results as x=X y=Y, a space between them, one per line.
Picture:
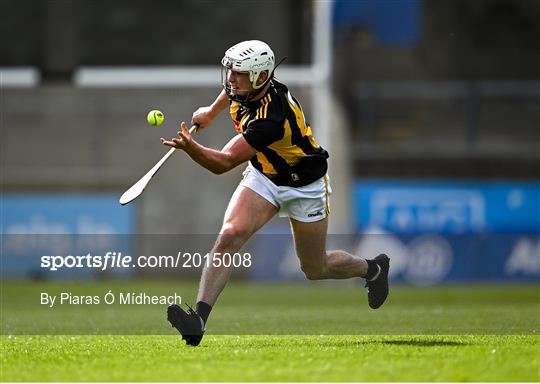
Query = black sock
x=372 y=269
x=203 y=309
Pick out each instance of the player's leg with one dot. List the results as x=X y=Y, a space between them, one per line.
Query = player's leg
x=318 y=263
x=246 y=214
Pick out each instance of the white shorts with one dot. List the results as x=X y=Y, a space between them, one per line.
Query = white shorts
x=307 y=204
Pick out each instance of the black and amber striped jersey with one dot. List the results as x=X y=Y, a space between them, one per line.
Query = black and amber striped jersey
x=276 y=127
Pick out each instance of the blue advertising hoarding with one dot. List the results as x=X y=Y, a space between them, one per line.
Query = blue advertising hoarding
x=410 y=207
x=51 y=213
x=41 y=223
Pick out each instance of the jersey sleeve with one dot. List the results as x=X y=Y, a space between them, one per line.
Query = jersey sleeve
x=263 y=132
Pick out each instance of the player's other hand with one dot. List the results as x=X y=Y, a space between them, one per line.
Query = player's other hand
x=183 y=141
x=203 y=116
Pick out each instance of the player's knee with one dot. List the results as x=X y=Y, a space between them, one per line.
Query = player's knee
x=312 y=272
x=232 y=232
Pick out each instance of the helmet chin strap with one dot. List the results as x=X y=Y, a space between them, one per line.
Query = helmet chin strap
x=270 y=77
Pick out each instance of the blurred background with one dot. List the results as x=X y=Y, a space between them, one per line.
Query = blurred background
x=429 y=109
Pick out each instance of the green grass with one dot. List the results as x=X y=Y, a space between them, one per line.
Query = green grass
x=271 y=358
x=285 y=332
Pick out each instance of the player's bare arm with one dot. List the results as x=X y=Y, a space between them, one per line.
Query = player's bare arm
x=235 y=152
x=204 y=116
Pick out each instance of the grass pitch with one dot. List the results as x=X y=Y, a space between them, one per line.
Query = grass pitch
x=271 y=358
x=295 y=332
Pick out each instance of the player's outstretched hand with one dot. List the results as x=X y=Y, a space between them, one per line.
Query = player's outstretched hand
x=183 y=141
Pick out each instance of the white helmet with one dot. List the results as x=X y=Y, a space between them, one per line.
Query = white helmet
x=252 y=57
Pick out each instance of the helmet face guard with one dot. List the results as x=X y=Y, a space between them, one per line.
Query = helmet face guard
x=235 y=94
